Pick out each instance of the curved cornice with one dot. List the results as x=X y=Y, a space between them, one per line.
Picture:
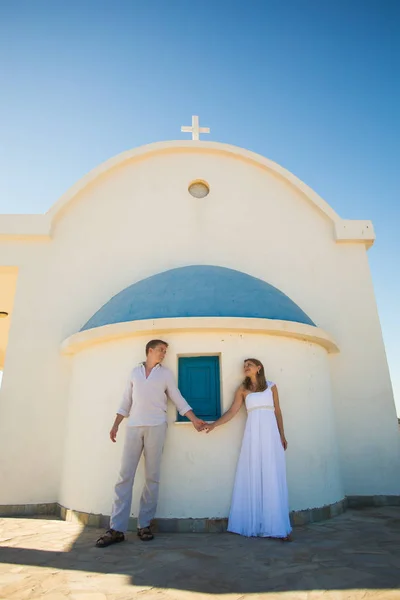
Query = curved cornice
x=118 y=331
x=30 y=227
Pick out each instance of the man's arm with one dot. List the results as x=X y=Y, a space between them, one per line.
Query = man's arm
x=123 y=411
x=183 y=407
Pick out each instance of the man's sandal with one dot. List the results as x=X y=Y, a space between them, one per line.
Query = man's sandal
x=110 y=537
x=145 y=534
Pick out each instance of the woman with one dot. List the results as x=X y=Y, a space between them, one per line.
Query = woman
x=260 y=499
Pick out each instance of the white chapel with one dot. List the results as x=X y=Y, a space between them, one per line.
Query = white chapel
x=225 y=255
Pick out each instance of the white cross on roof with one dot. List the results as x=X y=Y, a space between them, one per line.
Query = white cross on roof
x=195 y=130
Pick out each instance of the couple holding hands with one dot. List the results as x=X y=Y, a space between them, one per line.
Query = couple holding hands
x=259 y=505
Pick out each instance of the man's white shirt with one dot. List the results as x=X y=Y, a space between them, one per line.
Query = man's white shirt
x=145 y=400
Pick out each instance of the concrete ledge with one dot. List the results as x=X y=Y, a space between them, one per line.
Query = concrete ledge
x=29 y=510
x=25 y=228
x=322 y=513
x=204 y=525
x=369 y=501
x=357 y=232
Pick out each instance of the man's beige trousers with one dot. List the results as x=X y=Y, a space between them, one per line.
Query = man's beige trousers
x=150 y=441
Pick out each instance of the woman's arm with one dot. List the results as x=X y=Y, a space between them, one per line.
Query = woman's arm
x=234 y=409
x=278 y=415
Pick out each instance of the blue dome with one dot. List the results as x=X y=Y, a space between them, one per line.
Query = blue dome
x=198 y=291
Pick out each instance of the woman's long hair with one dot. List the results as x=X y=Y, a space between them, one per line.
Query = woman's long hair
x=261 y=380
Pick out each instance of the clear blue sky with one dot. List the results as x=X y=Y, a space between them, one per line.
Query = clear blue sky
x=312 y=84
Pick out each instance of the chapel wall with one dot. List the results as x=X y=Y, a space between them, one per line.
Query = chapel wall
x=198 y=469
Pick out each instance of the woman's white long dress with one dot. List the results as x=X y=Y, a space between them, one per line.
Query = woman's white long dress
x=260 y=498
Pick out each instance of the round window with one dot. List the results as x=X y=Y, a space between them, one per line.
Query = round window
x=199 y=189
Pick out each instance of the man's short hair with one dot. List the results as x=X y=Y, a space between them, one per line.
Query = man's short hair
x=153 y=344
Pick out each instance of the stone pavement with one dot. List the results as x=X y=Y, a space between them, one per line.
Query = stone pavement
x=352 y=557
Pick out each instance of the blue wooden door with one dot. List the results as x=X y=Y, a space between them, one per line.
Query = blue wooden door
x=198 y=381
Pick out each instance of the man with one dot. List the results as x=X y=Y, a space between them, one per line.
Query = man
x=145 y=403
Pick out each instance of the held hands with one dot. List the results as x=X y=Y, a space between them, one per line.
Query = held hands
x=199 y=424
x=208 y=427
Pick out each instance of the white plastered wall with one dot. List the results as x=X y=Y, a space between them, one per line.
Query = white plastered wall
x=198 y=469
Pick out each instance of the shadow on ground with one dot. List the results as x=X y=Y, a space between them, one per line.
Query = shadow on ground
x=357 y=550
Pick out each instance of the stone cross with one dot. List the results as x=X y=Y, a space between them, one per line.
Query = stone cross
x=195 y=130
